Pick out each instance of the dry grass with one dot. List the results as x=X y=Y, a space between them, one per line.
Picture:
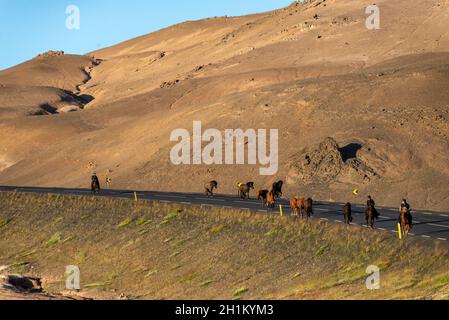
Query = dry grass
x=151 y=250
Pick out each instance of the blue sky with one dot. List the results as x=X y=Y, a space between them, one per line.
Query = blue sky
x=29 y=27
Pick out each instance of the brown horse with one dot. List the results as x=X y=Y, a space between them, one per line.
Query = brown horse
x=347 y=211
x=277 y=188
x=263 y=195
x=293 y=206
x=308 y=208
x=406 y=222
x=297 y=206
x=371 y=216
x=244 y=189
x=271 y=200
x=239 y=184
x=209 y=188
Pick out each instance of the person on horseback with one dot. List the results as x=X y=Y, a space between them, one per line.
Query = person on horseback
x=405 y=205
x=95 y=180
x=370 y=203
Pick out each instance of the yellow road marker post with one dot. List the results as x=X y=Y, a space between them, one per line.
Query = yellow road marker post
x=135 y=196
x=399 y=231
x=281 y=211
x=108 y=182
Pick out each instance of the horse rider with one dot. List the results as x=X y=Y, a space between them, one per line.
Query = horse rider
x=408 y=213
x=370 y=203
x=96 y=180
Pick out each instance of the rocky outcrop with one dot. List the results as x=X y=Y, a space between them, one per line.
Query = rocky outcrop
x=18 y=287
x=51 y=53
x=328 y=163
x=21 y=284
x=169 y=84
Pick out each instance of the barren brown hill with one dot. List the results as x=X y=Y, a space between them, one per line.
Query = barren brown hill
x=50 y=69
x=48 y=84
x=312 y=70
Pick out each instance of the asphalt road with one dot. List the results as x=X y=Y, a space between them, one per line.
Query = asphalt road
x=427 y=224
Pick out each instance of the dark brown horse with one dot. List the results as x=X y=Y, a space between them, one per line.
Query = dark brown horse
x=244 y=189
x=95 y=185
x=209 y=188
x=308 y=208
x=277 y=188
x=371 y=216
x=263 y=195
x=347 y=211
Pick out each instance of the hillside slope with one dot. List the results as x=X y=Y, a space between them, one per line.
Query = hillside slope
x=48 y=84
x=313 y=71
x=156 y=251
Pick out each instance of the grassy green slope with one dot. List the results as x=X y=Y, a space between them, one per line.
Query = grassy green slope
x=160 y=251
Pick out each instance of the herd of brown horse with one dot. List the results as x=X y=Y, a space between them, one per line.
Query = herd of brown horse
x=268 y=197
x=303 y=208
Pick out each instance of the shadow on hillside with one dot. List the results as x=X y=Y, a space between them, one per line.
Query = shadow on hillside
x=350 y=151
x=86 y=98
